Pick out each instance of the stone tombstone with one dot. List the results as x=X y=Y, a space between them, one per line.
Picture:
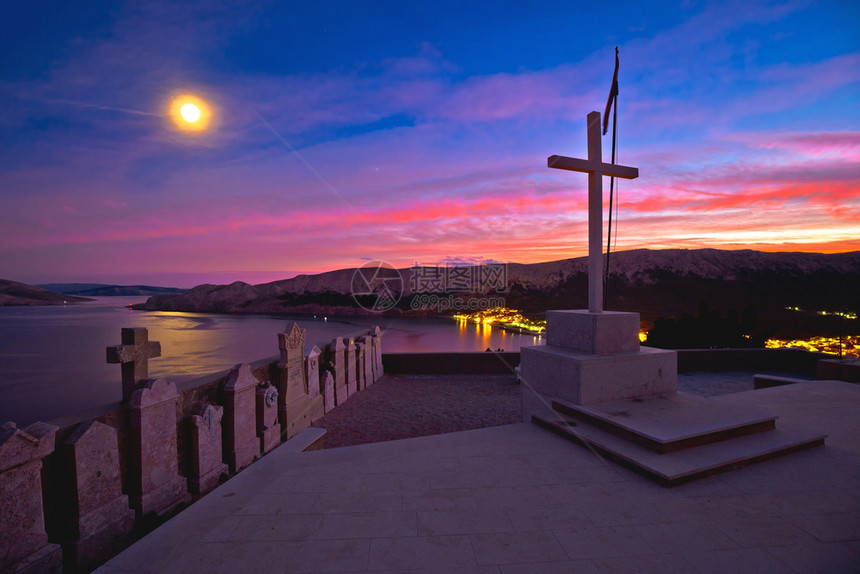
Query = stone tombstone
x=100 y=521
x=24 y=545
x=349 y=361
x=328 y=390
x=315 y=390
x=240 y=418
x=133 y=355
x=376 y=333
x=268 y=427
x=207 y=455
x=312 y=367
x=360 y=359
x=368 y=360
x=292 y=385
x=156 y=485
x=337 y=362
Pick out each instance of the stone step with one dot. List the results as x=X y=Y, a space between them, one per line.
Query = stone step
x=672 y=422
x=682 y=466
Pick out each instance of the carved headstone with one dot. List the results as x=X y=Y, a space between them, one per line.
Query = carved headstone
x=101 y=521
x=349 y=360
x=292 y=386
x=207 y=458
x=360 y=358
x=156 y=485
x=133 y=355
x=24 y=545
x=268 y=427
x=376 y=333
x=328 y=390
x=312 y=367
x=368 y=360
x=337 y=363
x=240 y=418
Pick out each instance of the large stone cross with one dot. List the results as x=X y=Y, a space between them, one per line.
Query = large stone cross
x=596 y=169
x=134 y=355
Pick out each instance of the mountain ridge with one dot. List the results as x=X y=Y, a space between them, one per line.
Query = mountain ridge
x=653 y=282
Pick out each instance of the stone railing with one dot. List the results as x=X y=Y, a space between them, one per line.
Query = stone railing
x=74 y=493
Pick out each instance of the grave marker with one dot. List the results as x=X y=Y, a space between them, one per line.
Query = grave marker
x=207 y=458
x=156 y=487
x=24 y=545
x=133 y=355
x=240 y=418
x=101 y=521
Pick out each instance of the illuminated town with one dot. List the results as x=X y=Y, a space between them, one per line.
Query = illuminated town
x=508 y=319
x=513 y=320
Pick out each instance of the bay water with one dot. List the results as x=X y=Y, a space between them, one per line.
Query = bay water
x=53 y=360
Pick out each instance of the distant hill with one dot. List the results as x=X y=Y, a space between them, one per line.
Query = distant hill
x=14 y=293
x=655 y=283
x=103 y=290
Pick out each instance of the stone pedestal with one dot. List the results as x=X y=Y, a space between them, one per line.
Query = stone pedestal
x=156 y=487
x=24 y=545
x=592 y=358
x=207 y=458
x=268 y=427
x=240 y=418
x=349 y=362
x=101 y=521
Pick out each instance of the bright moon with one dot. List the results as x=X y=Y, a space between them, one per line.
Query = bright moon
x=190 y=112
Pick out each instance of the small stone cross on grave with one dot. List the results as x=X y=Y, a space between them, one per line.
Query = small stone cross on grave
x=596 y=169
x=134 y=355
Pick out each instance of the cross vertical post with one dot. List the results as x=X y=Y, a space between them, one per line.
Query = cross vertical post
x=596 y=169
x=595 y=217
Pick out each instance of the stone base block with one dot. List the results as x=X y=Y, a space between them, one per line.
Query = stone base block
x=163 y=500
x=244 y=455
x=552 y=372
x=352 y=387
x=340 y=394
x=103 y=532
x=47 y=560
x=300 y=414
x=270 y=438
x=607 y=333
x=208 y=481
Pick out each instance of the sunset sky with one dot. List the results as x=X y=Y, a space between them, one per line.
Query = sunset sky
x=414 y=132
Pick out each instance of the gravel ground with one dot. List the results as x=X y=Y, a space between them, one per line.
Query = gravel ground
x=405 y=406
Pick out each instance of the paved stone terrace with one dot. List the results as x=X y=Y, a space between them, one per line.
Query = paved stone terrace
x=515 y=498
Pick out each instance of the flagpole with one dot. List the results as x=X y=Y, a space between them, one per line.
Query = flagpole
x=613 y=98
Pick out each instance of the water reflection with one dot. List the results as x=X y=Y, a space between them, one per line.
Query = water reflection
x=52 y=359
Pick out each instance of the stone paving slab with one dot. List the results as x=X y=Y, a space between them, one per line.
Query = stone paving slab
x=517 y=499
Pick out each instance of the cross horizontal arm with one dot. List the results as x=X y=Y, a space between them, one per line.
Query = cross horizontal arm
x=128 y=353
x=586 y=166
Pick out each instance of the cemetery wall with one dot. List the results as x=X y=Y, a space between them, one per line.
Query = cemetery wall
x=79 y=489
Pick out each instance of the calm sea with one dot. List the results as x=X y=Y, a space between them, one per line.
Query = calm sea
x=52 y=359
